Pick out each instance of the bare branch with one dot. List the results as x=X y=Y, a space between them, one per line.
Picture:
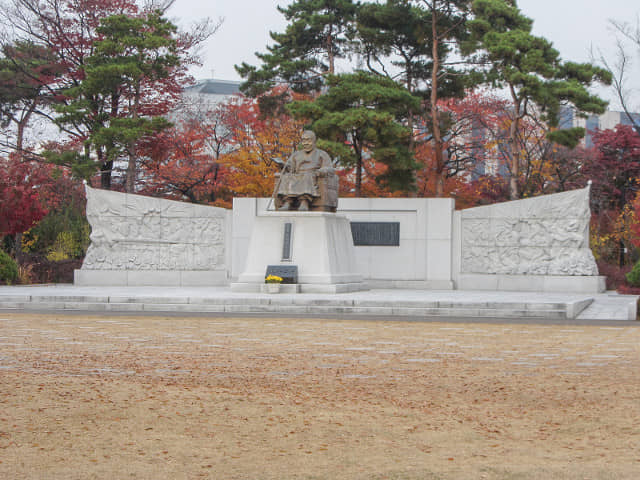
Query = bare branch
x=619 y=71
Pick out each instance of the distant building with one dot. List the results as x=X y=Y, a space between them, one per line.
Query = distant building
x=608 y=120
x=204 y=96
x=213 y=90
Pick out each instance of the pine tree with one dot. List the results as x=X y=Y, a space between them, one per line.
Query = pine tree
x=318 y=34
x=420 y=38
x=361 y=111
x=533 y=73
x=116 y=95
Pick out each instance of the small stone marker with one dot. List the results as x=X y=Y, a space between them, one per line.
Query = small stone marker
x=288 y=273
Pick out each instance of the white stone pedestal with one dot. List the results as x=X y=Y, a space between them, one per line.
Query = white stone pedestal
x=321 y=246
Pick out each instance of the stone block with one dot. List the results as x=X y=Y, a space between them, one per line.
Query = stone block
x=203 y=278
x=124 y=307
x=575 y=284
x=477 y=282
x=150 y=278
x=521 y=283
x=84 y=306
x=284 y=288
x=439 y=260
x=164 y=300
x=575 y=308
x=99 y=277
x=332 y=287
x=439 y=218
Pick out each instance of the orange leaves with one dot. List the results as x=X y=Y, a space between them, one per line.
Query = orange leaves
x=255 y=143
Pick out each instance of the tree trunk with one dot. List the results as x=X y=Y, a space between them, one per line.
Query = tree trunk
x=514 y=165
x=621 y=253
x=330 y=53
x=359 y=176
x=514 y=156
x=21 y=127
x=20 y=140
x=130 y=178
x=105 y=175
x=105 y=169
x=17 y=253
x=410 y=123
x=437 y=142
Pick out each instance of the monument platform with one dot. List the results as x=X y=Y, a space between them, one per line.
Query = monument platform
x=378 y=303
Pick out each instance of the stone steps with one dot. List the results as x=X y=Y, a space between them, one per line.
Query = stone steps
x=294 y=305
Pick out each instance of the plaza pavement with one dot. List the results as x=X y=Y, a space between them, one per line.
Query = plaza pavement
x=381 y=303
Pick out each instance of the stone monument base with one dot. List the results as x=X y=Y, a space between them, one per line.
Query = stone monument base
x=319 y=244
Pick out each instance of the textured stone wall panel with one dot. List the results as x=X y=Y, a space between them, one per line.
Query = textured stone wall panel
x=132 y=232
x=546 y=235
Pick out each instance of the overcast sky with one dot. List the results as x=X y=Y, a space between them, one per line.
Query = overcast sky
x=574 y=26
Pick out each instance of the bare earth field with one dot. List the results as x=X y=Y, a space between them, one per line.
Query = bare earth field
x=85 y=397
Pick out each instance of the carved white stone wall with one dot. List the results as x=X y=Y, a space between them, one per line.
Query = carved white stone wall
x=547 y=235
x=133 y=233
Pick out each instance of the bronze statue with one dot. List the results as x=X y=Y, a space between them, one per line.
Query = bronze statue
x=308 y=181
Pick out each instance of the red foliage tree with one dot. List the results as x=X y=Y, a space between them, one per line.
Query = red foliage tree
x=182 y=163
x=615 y=170
x=21 y=204
x=615 y=173
x=469 y=126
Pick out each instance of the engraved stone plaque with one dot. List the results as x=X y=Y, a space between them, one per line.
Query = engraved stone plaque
x=289 y=273
x=286 y=243
x=378 y=234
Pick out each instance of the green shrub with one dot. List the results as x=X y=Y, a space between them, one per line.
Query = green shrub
x=633 y=277
x=63 y=249
x=8 y=268
x=59 y=236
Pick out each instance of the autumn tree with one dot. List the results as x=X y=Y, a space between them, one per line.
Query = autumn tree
x=448 y=26
x=466 y=147
x=259 y=145
x=183 y=162
x=25 y=71
x=70 y=31
x=416 y=42
x=537 y=81
x=21 y=206
x=615 y=173
x=22 y=199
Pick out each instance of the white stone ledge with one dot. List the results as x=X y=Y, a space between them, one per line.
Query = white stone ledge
x=532 y=283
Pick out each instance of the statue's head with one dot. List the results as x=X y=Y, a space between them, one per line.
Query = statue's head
x=308 y=141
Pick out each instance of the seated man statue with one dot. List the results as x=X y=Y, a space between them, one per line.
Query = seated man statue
x=307 y=176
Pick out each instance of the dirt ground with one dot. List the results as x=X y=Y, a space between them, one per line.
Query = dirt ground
x=84 y=397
